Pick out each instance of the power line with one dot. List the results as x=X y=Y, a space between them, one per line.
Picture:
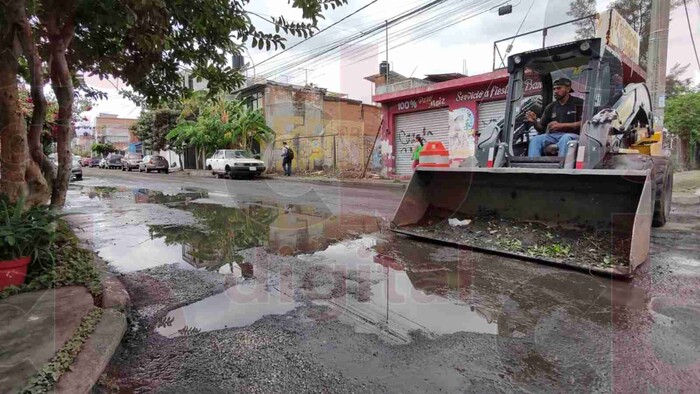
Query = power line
x=320 y=31
x=325 y=51
x=690 y=30
x=360 y=36
x=426 y=34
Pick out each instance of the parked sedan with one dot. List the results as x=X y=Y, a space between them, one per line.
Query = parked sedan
x=76 y=169
x=131 y=161
x=154 y=163
x=114 y=160
x=94 y=162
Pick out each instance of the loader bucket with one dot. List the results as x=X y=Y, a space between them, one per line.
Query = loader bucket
x=591 y=220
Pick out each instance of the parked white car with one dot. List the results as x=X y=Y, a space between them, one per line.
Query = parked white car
x=235 y=163
x=76 y=168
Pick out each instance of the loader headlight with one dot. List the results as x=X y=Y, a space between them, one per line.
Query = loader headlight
x=585 y=46
x=517 y=59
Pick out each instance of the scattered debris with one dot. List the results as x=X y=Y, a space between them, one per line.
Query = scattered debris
x=583 y=247
x=457 y=223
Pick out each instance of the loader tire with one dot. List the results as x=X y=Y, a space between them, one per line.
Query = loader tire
x=663 y=188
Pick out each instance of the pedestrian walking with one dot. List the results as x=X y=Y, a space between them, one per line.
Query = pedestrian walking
x=287 y=157
x=417 y=148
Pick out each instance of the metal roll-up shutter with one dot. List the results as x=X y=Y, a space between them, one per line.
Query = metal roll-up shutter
x=432 y=125
x=491 y=111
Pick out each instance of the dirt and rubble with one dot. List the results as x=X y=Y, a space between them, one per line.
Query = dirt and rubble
x=579 y=247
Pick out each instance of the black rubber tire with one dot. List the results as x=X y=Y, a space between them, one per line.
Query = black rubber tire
x=166 y=171
x=663 y=188
x=208 y=168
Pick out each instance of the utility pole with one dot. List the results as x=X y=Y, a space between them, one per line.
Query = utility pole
x=386 y=24
x=656 y=58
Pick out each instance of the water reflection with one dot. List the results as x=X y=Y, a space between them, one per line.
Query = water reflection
x=386 y=299
x=222 y=232
x=239 y=306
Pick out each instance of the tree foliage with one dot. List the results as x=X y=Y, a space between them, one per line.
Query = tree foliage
x=675 y=82
x=682 y=118
x=143 y=43
x=153 y=126
x=682 y=115
x=219 y=123
x=146 y=42
x=103 y=149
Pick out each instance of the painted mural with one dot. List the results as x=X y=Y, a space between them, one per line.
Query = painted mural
x=462 y=103
x=461 y=135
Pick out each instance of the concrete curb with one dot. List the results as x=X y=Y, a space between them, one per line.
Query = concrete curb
x=686 y=198
x=343 y=182
x=95 y=355
x=320 y=181
x=114 y=294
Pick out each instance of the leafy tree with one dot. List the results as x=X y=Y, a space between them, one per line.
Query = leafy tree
x=682 y=118
x=153 y=126
x=675 y=82
x=579 y=9
x=219 y=123
x=141 y=42
x=103 y=149
x=250 y=126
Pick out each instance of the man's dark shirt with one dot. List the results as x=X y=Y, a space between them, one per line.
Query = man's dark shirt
x=570 y=112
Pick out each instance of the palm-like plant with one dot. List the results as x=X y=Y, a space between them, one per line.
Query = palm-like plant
x=219 y=123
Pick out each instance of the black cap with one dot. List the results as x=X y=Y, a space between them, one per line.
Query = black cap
x=563 y=82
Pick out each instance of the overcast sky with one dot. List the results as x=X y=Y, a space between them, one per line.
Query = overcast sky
x=418 y=54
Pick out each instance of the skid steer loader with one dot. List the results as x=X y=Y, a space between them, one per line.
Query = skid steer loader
x=591 y=210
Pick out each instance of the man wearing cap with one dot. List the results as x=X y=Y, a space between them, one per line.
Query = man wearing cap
x=560 y=122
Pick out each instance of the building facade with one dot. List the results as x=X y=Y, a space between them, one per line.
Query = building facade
x=452 y=112
x=110 y=128
x=327 y=131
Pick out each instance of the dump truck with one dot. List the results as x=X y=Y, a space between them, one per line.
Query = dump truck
x=591 y=210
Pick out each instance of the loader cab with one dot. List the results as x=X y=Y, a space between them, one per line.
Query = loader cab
x=594 y=70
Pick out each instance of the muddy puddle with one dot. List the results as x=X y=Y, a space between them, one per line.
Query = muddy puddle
x=341 y=268
x=238 y=306
x=135 y=229
x=382 y=297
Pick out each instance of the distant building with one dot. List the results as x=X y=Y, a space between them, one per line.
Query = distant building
x=110 y=128
x=85 y=142
x=326 y=130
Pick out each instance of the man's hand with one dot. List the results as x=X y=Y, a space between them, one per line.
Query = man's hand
x=554 y=126
x=531 y=117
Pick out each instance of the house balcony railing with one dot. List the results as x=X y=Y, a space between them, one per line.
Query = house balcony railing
x=399 y=86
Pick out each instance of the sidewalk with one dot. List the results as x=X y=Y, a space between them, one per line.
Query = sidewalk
x=319 y=180
x=36 y=326
x=686 y=187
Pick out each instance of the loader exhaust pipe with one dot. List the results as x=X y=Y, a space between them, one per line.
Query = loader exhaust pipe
x=579 y=209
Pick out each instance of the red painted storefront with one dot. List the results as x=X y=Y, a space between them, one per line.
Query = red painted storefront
x=453 y=95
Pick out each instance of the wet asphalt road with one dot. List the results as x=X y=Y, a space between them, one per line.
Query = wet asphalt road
x=274 y=286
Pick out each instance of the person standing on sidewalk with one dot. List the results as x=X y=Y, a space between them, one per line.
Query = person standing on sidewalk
x=417 y=148
x=287 y=157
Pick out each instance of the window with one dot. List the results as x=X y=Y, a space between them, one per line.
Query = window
x=238 y=154
x=255 y=101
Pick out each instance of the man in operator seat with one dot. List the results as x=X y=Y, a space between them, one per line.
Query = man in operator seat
x=561 y=120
